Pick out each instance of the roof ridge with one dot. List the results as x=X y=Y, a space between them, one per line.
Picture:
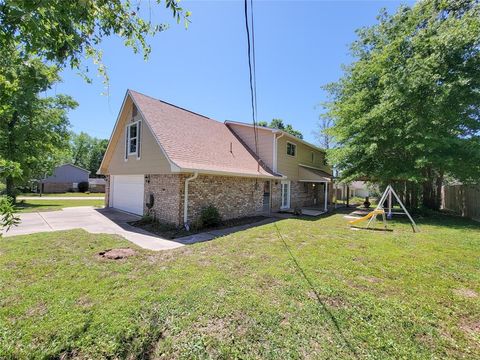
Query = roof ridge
x=166 y=102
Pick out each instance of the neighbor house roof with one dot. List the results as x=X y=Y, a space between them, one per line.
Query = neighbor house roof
x=194 y=142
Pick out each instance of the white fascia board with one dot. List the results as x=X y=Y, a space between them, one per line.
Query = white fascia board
x=228 y=173
x=113 y=132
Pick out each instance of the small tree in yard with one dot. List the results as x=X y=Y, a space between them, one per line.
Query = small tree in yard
x=408 y=109
x=7 y=214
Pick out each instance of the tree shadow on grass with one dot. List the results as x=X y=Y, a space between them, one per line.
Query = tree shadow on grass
x=439 y=219
x=22 y=206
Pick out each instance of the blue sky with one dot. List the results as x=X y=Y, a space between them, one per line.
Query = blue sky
x=300 y=46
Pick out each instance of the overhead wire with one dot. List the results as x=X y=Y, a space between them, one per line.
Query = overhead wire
x=252 y=73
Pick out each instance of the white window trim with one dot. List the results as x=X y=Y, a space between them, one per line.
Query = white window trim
x=287 y=206
x=129 y=139
x=286 y=149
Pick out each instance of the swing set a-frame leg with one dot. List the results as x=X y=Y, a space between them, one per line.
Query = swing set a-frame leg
x=414 y=225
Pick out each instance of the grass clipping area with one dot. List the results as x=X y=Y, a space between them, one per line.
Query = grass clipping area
x=297 y=288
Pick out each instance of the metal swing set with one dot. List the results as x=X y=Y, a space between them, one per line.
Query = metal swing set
x=388 y=194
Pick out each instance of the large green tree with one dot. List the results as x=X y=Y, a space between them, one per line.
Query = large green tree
x=86 y=151
x=408 y=109
x=278 y=124
x=67 y=32
x=33 y=127
x=61 y=33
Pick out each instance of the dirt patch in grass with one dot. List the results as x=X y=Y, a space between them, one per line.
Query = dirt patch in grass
x=471 y=326
x=39 y=309
x=468 y=293
x=335 y=302
x=117 y=254
x=84 y=302
x=370 y=279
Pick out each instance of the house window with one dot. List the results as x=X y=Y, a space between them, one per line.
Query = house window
x=313 y=157
x=132 y=138
x=291 y=149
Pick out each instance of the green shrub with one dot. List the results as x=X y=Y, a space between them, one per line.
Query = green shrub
x=209 y=216
x=7 y=213
x=147 y=219
x=83 y=186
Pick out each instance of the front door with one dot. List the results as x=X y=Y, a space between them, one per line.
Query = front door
x=285 y=194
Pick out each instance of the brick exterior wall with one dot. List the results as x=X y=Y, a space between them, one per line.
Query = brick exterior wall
x=233 y=196
x=167 y=191
x=301 y=194
x=275 y=195
x=97 y=188
x=55 y=188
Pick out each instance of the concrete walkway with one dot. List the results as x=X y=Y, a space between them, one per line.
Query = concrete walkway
x=60 y=198
x=93 y=220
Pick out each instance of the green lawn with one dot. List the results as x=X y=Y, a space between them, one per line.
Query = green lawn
x=324 y=291
x=67 y=194
x=51 y=205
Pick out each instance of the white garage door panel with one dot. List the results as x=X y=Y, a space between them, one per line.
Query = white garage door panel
x=127 y=193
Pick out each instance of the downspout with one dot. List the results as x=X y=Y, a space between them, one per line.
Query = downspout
x=185 y=200
x=275 y=154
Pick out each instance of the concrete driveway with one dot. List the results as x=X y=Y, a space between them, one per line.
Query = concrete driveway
x=93 y=220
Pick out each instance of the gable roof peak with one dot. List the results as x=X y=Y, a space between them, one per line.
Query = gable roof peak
x=133 y=92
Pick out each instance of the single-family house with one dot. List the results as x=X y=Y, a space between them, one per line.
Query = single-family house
x=173 y=162
x=64 y=178
x=356 y=189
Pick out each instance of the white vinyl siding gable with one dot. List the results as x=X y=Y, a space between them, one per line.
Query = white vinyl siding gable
x=265 y=142
x=149 y=160
x=288 y=165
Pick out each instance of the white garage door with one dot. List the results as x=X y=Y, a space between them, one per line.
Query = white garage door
x=127 y=193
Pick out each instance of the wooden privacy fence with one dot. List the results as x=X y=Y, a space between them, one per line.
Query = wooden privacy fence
x=463 y=200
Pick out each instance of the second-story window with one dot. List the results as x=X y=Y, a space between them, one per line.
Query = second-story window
x=291 y=149
x=132 y=138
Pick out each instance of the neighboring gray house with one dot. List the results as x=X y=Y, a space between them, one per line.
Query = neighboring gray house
x=64 y=178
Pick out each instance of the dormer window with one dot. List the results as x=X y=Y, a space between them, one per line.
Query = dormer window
x=291 y=149
x=133 y=139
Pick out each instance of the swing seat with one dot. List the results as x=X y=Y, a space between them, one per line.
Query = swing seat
x=368 y=216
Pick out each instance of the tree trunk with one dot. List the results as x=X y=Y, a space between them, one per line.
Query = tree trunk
x=10 y=188
x=438 y=190
x=428 y=200
x=10 y=184
x=408 y=194
x=414 y=195
x=432 y=189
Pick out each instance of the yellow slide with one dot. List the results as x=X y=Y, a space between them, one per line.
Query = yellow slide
x=368 y=216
